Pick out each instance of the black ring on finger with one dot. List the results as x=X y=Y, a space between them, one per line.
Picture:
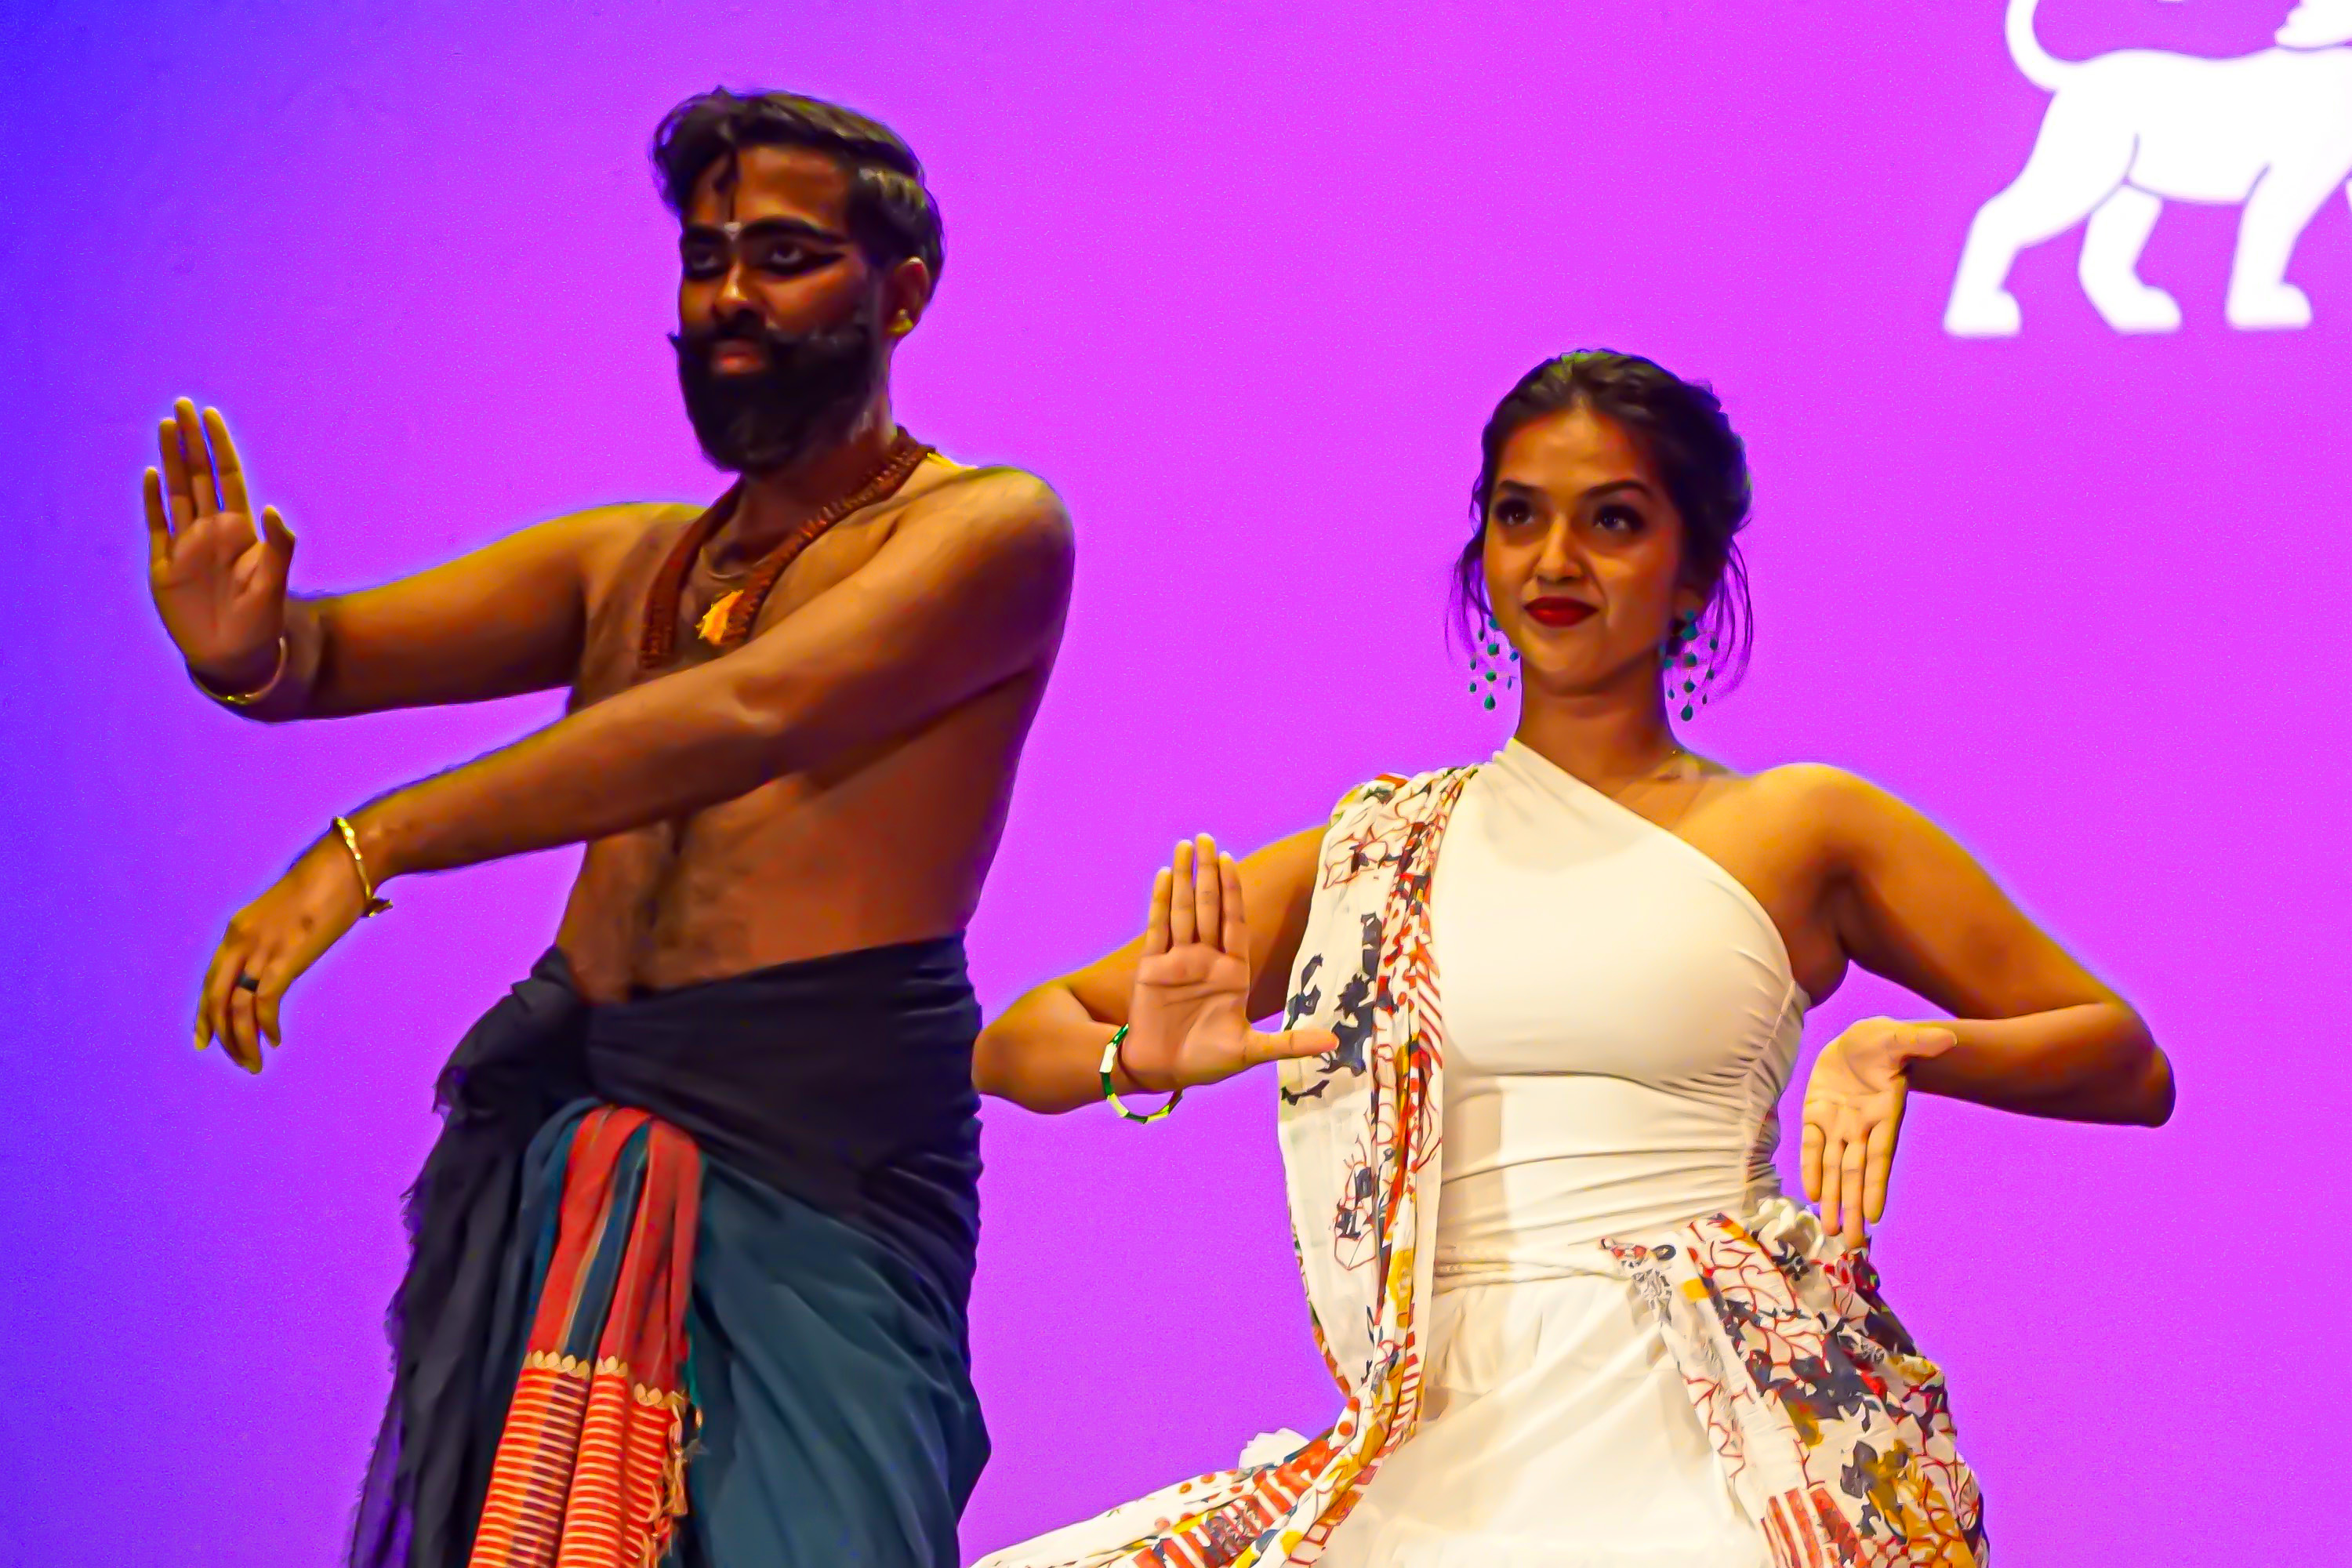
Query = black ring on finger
x=249 y=983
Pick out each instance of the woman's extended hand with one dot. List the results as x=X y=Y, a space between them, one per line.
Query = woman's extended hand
x=1187 y=1020
x=1854 y=1114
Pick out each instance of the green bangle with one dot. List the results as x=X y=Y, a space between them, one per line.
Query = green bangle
x=1110 y=1060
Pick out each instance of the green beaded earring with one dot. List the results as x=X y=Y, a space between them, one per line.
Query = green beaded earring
x=1490 y=659
x=1684 y=686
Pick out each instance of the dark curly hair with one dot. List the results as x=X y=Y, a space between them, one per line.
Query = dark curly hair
x=891 y=213
x=1682 y=426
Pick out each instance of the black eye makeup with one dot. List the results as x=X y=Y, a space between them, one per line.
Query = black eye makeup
x=777 y=249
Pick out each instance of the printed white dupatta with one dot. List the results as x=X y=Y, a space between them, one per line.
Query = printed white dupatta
x=1834 y=1432
x=1360 y=1140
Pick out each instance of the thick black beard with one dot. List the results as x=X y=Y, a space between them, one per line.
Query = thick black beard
x=805 y=398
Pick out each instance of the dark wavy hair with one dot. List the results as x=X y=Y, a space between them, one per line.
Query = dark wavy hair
x=891 y=213
x=1681 y=425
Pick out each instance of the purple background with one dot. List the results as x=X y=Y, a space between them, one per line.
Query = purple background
x=1242 y=282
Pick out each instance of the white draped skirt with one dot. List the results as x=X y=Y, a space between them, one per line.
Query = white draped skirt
x=1723 y=1394
x=1556 y=1432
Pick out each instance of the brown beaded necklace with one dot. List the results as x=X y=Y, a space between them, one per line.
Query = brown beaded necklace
x=729 y=618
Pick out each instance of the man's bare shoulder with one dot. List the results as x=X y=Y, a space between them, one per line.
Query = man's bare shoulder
x=994 y=493
x=607 y=539
x=620 y=525
x=991 y=509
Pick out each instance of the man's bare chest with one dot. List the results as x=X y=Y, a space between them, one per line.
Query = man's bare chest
x=629 y=613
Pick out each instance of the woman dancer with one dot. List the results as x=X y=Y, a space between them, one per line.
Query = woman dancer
x=1592 y=1332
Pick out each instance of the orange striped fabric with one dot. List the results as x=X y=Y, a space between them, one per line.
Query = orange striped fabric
x=591 y=1465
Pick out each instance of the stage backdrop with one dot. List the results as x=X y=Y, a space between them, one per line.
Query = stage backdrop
x=1243 y=283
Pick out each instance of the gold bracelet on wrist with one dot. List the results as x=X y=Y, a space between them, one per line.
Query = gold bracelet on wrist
x=248 y=699
x=375 y=906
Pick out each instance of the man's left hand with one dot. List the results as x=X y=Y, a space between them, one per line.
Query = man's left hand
x=271 y=940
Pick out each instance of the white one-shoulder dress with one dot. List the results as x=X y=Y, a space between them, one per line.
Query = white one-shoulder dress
x=1621 y=1021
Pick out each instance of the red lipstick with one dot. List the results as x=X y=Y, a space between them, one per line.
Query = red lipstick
x=1558 y=611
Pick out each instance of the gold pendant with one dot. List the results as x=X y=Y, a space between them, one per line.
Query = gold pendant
x=712 y=626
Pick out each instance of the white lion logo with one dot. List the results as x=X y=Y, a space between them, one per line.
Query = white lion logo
x=2127 y=130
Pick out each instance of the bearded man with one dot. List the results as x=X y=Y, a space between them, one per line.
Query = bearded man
x=692 y=1253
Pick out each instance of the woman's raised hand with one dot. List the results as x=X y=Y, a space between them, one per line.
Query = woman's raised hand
x=1187 y=1020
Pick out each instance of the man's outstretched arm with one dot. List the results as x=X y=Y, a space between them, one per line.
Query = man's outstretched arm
x=966 y=595
x=501 y=620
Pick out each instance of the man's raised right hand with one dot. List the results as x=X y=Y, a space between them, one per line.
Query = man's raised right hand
x=219 y=583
